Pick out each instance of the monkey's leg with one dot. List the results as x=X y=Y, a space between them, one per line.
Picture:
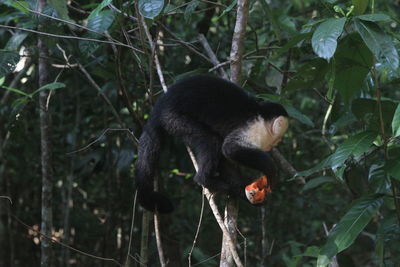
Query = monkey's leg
x=205 y=144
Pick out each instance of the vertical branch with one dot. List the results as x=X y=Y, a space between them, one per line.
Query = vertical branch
x=210 y=197
x=238 y=40
x=142 y=23
x=231 y=209
x=144 y=253
x=45 y=123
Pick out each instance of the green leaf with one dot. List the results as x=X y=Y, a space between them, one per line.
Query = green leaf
x=88 y=47
x=353 y=61
x=349 y=227
x=49 y=86
x=190 y=8
x=22 y=6
x=374 y=17
x=15 y=41
x=60 y=7
x=15 y=91
x=315 y=182
x=396 y=122
x=292 y=42
x=8 y=62
x=380 y=44
x=100 y=7
x=359 y=6
x=294 y=113
x=354 y=146
x=150 y=8
x=102 y=21
x=228 y=9
x=324 y=39
x=392 y=168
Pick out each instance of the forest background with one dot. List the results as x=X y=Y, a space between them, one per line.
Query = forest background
x=78 y=79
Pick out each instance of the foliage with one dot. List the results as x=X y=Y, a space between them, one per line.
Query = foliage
x=333 y=64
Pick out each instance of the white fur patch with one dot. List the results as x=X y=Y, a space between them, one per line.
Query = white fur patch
x=256 y=133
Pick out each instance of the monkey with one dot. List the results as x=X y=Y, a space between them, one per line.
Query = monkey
x=222 y=124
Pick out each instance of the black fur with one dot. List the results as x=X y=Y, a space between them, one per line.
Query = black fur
x=204 y=111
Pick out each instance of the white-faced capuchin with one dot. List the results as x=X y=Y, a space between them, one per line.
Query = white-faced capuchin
x=223 y=125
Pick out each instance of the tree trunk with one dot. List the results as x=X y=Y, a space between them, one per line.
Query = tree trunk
x=45 y=123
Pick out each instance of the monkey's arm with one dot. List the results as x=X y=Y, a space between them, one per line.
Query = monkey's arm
x=250 y=157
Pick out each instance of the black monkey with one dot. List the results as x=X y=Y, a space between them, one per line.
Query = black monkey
x=221 y=123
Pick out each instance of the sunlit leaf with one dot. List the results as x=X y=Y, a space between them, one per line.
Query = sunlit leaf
x=349 y=227
x=150 y=8
x=324 y=39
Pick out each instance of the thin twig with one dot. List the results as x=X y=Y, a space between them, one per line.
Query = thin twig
x=131 y=231
x=99 y=138
x=212 y=55
x=53 y=239
x=69 y=37
x=198 y=229
x=101 y=93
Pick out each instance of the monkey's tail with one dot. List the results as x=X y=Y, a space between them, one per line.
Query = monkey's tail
x=146 y=164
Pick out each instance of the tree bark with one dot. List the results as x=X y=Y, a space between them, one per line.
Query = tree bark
x=45 y=123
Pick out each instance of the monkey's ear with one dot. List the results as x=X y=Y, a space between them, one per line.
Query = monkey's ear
x=280 y=125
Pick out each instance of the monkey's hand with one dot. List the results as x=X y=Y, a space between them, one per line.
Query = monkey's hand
x=256 y=192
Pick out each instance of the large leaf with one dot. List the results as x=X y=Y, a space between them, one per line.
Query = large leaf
x=294 y=113
x=359 y=6
x=61 y=8
x=102 y=21
x=354 y=146
x=313 y=183
x=380 y=44
x=353 y=60
x=8 y=62
x=349 y=227
x=49 y=86
x=150 y=8
x=396 y=122
x=324 y=39
x=392 y=168
x=190 y=8
x=368 y=110
x=99 y=8
x=374 y=17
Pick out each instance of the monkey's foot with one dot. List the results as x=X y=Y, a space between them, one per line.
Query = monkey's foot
x=256 y=192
